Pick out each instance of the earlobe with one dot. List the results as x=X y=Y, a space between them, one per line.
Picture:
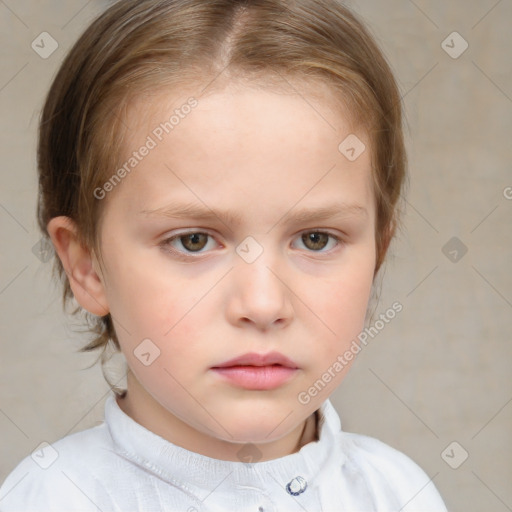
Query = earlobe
x=77 y=261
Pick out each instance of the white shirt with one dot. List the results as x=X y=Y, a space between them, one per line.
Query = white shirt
x=122 y=466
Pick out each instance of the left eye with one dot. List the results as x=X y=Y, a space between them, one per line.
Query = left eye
x=192 y=242
x=317 y=240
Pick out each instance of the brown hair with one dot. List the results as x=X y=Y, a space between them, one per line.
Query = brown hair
x=138 y=46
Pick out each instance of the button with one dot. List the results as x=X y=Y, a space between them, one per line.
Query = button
x=296 y=486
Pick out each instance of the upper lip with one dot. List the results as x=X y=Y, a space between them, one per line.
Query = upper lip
x=254 y=359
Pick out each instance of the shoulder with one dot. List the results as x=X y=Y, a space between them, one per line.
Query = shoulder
x=391 y=475
x=62 y=475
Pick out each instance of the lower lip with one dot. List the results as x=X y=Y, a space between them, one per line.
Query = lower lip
x=257 y=377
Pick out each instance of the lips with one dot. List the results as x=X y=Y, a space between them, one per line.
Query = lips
x=254 y=359
x=257 y=372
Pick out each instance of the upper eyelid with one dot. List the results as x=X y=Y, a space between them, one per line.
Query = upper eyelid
x=207 y=232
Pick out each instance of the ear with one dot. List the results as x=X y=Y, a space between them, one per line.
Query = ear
x=78 y=263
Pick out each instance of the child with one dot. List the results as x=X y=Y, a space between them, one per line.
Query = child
x=220 y=181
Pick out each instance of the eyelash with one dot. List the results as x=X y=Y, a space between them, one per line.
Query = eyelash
x=188 y=255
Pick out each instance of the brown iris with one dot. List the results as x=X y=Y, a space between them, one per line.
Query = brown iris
x=315 y=241
x=194 y=241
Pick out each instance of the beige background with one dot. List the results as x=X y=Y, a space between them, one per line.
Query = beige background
x=439 y=372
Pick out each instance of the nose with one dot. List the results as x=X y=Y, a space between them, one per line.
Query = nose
x=259 y=295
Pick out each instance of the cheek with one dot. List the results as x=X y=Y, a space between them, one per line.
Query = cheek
x=142 y=300
x=341 y=302
x=166 y=309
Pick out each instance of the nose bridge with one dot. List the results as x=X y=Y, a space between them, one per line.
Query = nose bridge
x=260 y=289
x=260 y=261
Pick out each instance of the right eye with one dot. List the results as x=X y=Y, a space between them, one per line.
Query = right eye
x=186 y=244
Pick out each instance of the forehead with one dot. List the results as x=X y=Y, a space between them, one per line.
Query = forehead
x=281 y=144
x=324 y=102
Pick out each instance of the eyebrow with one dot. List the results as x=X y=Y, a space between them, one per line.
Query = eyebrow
x=230 y=217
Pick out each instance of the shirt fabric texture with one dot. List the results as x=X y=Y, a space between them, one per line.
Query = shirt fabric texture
x=121 y=466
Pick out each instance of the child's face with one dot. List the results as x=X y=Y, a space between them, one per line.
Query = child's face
x=264 y=157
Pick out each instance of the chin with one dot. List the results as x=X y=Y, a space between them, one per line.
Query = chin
x=258 y=430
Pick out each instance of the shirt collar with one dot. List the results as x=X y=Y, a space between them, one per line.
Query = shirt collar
x=198 y=474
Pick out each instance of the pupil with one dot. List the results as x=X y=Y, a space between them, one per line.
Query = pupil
x=194 y=241
x=315 y=241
